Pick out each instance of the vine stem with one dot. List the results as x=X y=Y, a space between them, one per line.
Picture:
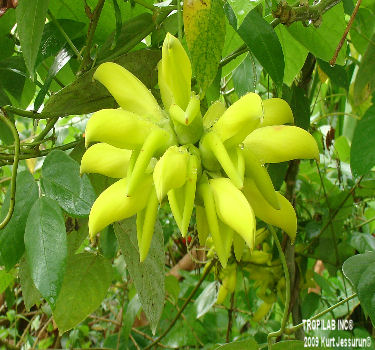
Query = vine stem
x=293 y=329
x=94 y=19
x=287 y=289
x=191 y=295
x=42 y=153
x=12 y=200
x=332 y=62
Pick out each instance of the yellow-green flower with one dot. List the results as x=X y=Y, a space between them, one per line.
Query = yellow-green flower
x=215 y=162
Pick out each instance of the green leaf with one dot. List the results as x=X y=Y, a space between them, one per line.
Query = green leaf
x=365 y=79
x=60 y=61
x=46 y=247
x=249 y=344
x=149 y=275
x=245 y=77
x=108 y=242
x=129 y=317
x=13 y=76
x=12 y=244
x=31 y=16
x=263 y=42
x=30 y=294
x=77 y=235
x=336 y=74
x=61 y=181
x=204 y=25
x=6 y=136
x=172 y=287
x=363 y=242
x=6 y=279
x=206 y=299
x=292 y=345
x=85 y=96
x=6 y=43
x=362 y=29
x=241 y=8
x=360 y=270
x=362 y=153
x=294 y=54
x=300 y=106
x=323 y=41
x=127 y=33
x=87 y=279
x=53 y=40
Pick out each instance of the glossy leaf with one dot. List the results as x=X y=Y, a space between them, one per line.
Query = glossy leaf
x=362 y=161
x=206 y=299
x=149 y=275
x=360 y=270
x=294 y=54
x=85 y=96
x=263 y=42
x=204 y=25
x=52 y=39
x=31 y=17
x=12 y=244
x=322 y=41
x=61 y=181
x=87 y=279
x=46 y=247
x=60 y=61
x=30 y=294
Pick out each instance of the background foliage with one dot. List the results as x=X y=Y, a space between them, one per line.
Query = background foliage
x=60 y=291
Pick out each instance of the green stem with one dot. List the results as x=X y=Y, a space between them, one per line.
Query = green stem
x=293 y=329
x=66 y=36
x=12 y=200
x=191 y=295
x=50 y=124
x=287 y=289
x=27 y=114
x=42 y=153
x=94 y=19
x=179 y=19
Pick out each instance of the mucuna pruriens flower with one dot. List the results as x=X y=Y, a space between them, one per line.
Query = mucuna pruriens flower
x=215 y=162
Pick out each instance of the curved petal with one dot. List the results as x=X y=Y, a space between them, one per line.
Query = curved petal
x=118 y=128
x=285 y=217
x=240 y=119
x=107 y=160
x=129 y=92
x=276 y=112
x=114 y=205
x=233 y=209
x=274 y=144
